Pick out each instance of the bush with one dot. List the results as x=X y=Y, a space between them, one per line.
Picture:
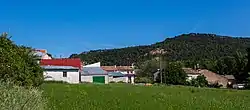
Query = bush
x=174 y=74
x=200 y=81
x=19 y=98
x=142 y=80
x=215 y=85
x=18 y=64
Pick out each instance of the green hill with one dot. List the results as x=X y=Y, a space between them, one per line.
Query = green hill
x=193 y=46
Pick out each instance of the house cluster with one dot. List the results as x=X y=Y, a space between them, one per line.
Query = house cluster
x=211 y=77
x=73 y=70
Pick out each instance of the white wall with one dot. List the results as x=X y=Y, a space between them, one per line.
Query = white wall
x=123 y=79
x=118 y=79
x=72 y=77
x=191 y=76
x=98 y=64
x=90 y=78
x=87 y=79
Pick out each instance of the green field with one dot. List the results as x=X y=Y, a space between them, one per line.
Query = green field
x=129 y=97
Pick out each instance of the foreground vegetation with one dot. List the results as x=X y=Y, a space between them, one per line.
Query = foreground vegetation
x=18 y=98
x=129 y=97
x=18 y=64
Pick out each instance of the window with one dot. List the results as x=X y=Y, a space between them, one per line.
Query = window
x=64 y=74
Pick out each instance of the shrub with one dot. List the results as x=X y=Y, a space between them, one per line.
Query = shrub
x=18 y=64
x=200 y=81
x=215 y=85
x=20 y=98
x=142 y=80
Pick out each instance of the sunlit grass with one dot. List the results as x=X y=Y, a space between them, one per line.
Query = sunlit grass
x=129 y=97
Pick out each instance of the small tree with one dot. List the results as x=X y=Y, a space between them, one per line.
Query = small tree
x=174 y=74
x=200 y=81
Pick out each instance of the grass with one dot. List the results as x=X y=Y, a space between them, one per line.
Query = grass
x=129 y=97
x=19 y=98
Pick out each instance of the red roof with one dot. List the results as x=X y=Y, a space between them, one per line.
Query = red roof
x=75 y=62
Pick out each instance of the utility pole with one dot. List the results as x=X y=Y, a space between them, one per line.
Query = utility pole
x=160 y=52
x=161 y=67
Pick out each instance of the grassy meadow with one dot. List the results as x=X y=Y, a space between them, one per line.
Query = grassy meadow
x=129 y=97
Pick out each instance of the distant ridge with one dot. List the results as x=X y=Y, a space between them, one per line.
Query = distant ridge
x=193 y=46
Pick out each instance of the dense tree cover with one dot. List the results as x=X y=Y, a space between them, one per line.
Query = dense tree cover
x=186 y=47
x=17 y=64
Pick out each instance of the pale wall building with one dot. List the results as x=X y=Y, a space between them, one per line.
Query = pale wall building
x=67 y=74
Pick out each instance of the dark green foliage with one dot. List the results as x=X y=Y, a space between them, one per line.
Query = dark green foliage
x=142 y=80
x=174 y=74
x=186 y=47
x=148 y=68
x=17 y=64
x=215 y=85
x=200 y=81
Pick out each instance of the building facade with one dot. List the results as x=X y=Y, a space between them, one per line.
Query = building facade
x=67 y=70
x=67 y=74
x=127 y=71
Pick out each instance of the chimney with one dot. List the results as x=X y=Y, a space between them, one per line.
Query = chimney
x=115 y=66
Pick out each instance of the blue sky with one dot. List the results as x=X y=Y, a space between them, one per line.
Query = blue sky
x=66 y=27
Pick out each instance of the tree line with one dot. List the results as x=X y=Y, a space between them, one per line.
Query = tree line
x=185 y=47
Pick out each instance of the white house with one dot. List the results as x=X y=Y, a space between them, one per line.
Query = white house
x=191 y=73
x=117 y=77
x=94 y=75
x=67 y=74
x=127 y=71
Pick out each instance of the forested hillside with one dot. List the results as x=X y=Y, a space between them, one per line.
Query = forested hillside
x=184 y=47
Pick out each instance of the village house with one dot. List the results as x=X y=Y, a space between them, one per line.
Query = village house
x=41 y=54
x=67 y=74
x=63 y=69
x=231 y=79
x=120 y=73
x=211 y=77
x=93 y=73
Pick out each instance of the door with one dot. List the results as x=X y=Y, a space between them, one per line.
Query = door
x=98 y=79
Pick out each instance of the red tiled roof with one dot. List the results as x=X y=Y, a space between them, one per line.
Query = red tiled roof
x=75 y=62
